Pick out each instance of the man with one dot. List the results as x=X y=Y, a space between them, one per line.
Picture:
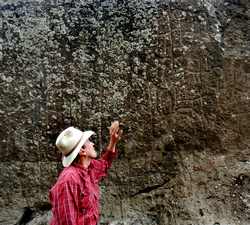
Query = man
x=75 y=196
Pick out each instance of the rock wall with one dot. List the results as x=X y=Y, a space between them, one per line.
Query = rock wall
x=176 y=73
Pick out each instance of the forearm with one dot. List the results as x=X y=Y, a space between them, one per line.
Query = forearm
x=111 y=147
x=109 y=153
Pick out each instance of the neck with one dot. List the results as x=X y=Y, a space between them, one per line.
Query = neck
x=85 y=161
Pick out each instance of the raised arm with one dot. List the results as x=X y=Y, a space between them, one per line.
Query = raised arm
x=110 y=152
x=115 y=135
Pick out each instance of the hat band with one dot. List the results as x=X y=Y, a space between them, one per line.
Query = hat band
x=73 y=147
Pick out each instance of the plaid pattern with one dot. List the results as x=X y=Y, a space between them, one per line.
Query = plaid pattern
x=75 y=196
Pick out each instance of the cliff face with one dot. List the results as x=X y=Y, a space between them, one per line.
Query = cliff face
x=177 y=73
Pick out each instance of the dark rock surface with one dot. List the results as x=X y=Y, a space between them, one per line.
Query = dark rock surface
x=176 y=73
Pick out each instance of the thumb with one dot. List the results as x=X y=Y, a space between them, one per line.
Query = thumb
x=120 y=133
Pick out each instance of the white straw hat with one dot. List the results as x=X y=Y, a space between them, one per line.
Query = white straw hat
x=70 y=142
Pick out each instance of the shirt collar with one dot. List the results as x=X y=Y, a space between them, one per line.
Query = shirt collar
x=81 y=167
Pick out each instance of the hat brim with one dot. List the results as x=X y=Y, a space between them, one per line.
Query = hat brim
x=67 y=160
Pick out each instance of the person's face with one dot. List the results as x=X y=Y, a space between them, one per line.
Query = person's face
x=89 y=149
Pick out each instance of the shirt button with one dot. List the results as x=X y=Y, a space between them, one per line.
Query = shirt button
x=83 y=211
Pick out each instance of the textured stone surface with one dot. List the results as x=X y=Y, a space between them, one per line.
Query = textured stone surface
x=177 y=73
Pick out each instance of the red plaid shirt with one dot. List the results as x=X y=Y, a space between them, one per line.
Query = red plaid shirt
x=75 y=196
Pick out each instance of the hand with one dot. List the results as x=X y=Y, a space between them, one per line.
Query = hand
x=115 y=135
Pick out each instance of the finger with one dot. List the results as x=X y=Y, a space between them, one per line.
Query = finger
x=120 y=133
x=116 y=129
x=111 y=128
x=114 y=126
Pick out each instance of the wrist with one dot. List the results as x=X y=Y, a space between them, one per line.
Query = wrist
x=111 y=147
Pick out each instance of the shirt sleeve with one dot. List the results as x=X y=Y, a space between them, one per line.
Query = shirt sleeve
x=104 y=163
x=65 y=203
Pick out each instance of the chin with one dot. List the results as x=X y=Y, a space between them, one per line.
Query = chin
x=94 y=156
